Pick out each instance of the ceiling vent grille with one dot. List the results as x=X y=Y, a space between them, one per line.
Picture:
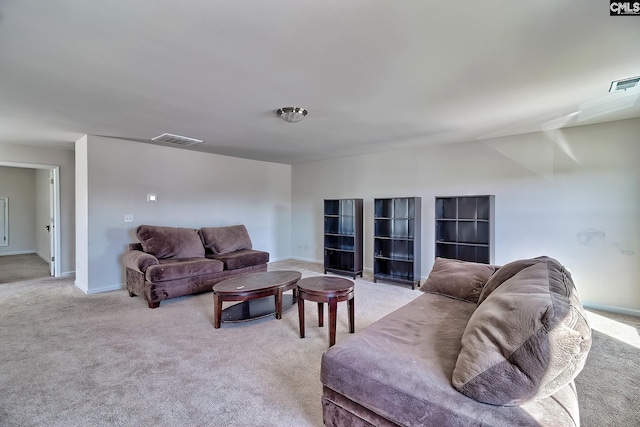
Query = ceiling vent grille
x=625 y=84
x=183 y=141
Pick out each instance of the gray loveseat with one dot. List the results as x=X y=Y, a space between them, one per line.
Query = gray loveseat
x=170 y=262
x=484 y=346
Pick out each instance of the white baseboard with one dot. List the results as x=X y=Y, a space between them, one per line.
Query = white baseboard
x=92 y=291
x=612 y=309
x=68 y=274
x=18 y=253
x=314 y=261
x=75 y=283
x=118 y=287
x=278 y=259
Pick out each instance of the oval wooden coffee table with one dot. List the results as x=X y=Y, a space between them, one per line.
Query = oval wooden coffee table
x=331 y=290
x=250 y=287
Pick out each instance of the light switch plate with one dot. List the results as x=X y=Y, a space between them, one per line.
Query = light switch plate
x=128 y=217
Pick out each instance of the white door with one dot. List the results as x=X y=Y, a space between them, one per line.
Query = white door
x=52 y=234
x=4 y=221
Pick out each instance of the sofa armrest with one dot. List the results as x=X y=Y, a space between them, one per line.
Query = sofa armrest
x=139 y=261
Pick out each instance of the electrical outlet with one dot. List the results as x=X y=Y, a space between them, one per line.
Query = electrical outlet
x=128 y=217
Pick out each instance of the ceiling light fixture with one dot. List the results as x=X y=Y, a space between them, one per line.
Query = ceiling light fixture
x=292 y=114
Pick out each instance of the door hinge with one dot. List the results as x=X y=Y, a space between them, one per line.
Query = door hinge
x=53 y=258
x=51 y=180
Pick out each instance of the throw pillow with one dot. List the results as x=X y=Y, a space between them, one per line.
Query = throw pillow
x=506 y=272
x=527 y=340
x=170 y=242
x=461 y=280
x=224 y=240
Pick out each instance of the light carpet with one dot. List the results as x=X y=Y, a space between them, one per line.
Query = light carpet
x=17 y=268
x=69 y=359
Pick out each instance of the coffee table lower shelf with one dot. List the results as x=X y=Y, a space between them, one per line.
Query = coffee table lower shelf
x=255 y=309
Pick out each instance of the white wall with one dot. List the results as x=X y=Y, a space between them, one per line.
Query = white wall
x=82 y=214
x=65 y=160
x=194 y=190
x=573 y=195
x=19 y=185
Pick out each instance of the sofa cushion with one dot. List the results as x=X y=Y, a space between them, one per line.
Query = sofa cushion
x=462 y=280
x=528 y=339
x=242 y=258
x=171 y=269
x=223 y=240
x=506 y=272
x=170 y=242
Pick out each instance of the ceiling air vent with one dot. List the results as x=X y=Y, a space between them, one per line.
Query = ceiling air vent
x=625 y=84
x=182 y=141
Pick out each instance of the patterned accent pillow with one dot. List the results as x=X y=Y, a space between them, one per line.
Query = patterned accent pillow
x=528 y=339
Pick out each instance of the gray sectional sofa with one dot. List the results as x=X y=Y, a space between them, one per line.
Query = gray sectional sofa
x=484 y=346
x=170 y=262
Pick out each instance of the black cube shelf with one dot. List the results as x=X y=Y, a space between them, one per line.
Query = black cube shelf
x=465 y=228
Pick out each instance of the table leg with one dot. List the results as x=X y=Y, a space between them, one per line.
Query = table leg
x=333 y=308
x=217 y=311
x=246 y=312
x=351 y=309
x=301 y=315
x=278 y=298
x=320 y=314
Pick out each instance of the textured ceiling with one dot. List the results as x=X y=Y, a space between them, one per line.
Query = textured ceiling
x=374 y=75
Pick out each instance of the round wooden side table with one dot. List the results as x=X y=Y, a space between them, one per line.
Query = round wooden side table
x=331 y=290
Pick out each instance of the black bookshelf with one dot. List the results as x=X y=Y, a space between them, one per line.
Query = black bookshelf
x=465 y=228
x=343 y=236
x=396 y=240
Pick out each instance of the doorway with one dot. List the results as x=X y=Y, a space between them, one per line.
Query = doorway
x=51 y=220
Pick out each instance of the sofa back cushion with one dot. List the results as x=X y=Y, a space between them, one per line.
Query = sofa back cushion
x=526 y=340
x=458 y=279
x=224 y=240
x=170 y=242
x=506 y=272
